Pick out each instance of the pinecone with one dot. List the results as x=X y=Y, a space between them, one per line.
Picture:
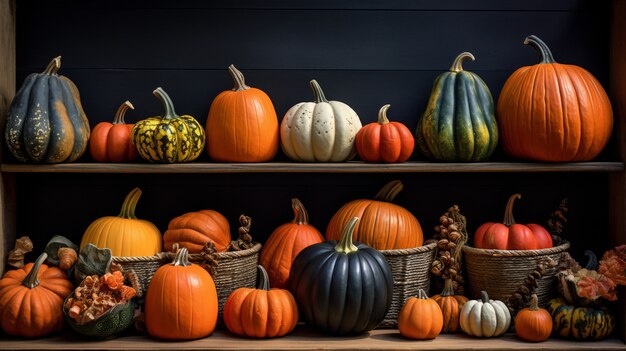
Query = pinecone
x=557 y=221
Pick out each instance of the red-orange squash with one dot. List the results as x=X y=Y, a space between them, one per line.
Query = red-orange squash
x=31 y=299
x=451 y=306
x=261 y=312
x=111 y=142
x=533 y=323
x=510 y=235
x=553 y=112
x=181 y=301
x=242 y=125
x=384 y=141
x=383 y=225
x=420 y=318
x=285 y=243
x=194 y=229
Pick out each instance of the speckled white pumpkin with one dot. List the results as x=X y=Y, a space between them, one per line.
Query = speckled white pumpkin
x=319 y=131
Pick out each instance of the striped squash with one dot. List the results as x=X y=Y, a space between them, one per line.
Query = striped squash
x=459 y=123
x=169 y=138
x=581 y=323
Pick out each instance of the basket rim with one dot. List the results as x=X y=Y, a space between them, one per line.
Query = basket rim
x=420 y=249
x=164 y=256
x=517 y=253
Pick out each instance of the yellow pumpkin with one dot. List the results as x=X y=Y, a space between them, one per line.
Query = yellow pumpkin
x=124 y=234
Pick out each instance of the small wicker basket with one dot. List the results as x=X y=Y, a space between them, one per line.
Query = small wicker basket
x=411 y=271
x=501 y=272
x=144 y=267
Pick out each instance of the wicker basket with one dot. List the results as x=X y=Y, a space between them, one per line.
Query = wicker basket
x=501 y=272
x=144 y=267
x=411 y=272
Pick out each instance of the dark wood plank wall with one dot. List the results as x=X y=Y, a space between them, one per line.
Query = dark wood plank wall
x=365 y=53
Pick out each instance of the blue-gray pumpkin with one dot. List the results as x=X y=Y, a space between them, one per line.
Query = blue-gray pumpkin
x=459 y=123
x=46 y=121
x=342 y=288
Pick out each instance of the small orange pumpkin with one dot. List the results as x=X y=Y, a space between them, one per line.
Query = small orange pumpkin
x=261 y=312
x=420 y=318
x=383 y=225
x=194 y=229
x=533 y=323
x=451 y=306
x=242 y=125
x=285 y=243
x=31 y=299
x=384 y=141
x=111 y=142
x=181 y=301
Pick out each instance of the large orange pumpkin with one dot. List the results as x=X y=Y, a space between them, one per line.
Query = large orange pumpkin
x=553 y=112
x=420 y=318
x=181 y=301
x=285 y=243
x=194 y=229
x=451 y=306
x=31 y=299
x=384 y=141
x=110 y=142
x=383 y=225
x=261 y=312
x=242 y=125
x=124 y=234
x=509 y=235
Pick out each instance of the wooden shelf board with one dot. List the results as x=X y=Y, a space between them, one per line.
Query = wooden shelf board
x=294 y=167
x=305 y=339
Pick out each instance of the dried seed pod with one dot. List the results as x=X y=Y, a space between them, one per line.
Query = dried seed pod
x=67 y=257
x=453 y=228
x=442 y=244
x=451 y=245
x=454 y=236
x=524 y=290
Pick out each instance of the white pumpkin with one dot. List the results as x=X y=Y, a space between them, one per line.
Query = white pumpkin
x=485 y=317
x=319 y=131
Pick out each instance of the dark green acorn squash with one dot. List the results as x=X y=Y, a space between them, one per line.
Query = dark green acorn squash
x=46 y=121
x=459 y=123
x=341 y=288
x=168 y=138
x=580 y=323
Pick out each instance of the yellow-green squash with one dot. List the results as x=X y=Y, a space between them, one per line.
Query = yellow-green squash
x=168 y=138
x=581 y=323
x=459 y=123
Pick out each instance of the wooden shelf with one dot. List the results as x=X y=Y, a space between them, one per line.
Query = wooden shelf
x=294 y=167
x=305 y=339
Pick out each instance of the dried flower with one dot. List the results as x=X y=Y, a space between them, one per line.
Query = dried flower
x=613 y=265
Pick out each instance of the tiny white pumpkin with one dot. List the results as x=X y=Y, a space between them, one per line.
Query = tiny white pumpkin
x=485 y=317
x=319 y=131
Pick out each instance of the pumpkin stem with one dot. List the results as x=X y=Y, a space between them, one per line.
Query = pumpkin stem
x=483 y=296
x=457 y=65
x=31 y=280
x=421 y=294
x=238 y=78
x=448 y=288
x=54 y=66
x=264 y=279
x=508 y=211
x=389 y=191
x=130 y=202
x=318 y=94
x=121 y=111
x=181 y=258
x=382 y=114
x=592 y=263
x=545 y=55
x=534 y=303
x=299 y=212
x=168 y=106
x=345 y=245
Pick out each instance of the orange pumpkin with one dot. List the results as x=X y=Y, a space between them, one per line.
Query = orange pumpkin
x=384 y=141
x=553 y=112
x=261 y=312
x=285 y=243
x=450 y=305
x=194 y=229
x=420 y=318
x=533 y=323
x=31 y=299
x=242 y=125
x=110 y=142
x=509 y=235
x=124 y=234
x=181 y=301
x=383 y=225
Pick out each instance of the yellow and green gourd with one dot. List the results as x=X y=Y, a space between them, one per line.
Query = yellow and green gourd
x=459 y=123
x=580 y=323
x=169 y=138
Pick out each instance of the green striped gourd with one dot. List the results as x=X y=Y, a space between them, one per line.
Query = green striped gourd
x=581 y=323
x=459 y=123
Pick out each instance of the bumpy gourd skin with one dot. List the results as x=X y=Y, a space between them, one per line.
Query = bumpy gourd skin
x=581 y=323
